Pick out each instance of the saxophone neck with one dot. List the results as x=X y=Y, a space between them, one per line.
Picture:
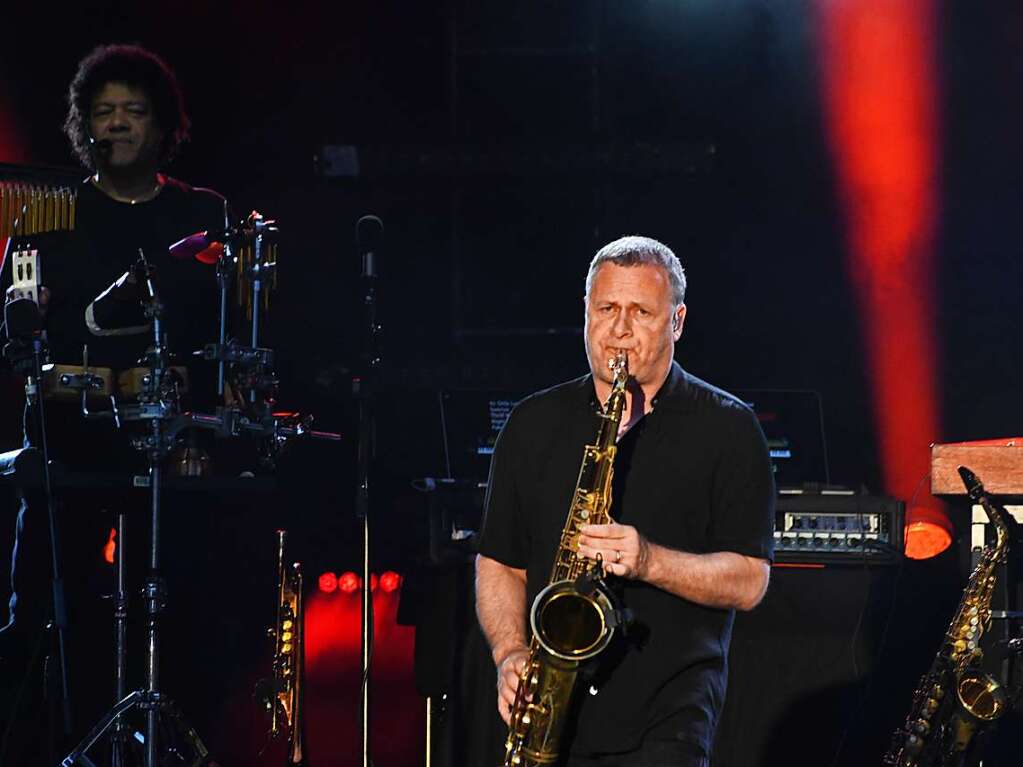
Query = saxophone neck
x=615 y=405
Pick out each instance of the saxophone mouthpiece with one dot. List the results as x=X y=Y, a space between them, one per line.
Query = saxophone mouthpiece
x=620 y=362
x=974 y=488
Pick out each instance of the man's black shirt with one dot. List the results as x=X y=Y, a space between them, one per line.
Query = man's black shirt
x=693 y=475
x=78 y=266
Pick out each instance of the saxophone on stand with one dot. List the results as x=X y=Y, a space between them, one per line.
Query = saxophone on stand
x=282 y=693
x=956 y=699
x=574 y=617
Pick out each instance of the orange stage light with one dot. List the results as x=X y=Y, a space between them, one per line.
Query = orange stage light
x=110 y=547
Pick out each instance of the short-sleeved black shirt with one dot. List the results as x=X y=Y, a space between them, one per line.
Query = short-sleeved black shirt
x=693 y=475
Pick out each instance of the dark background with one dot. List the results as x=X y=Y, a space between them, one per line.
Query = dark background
x=502 y=144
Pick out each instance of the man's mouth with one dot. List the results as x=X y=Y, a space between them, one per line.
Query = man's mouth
x=614 y=351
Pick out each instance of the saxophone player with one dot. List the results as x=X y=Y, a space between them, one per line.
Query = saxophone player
x=691 y=540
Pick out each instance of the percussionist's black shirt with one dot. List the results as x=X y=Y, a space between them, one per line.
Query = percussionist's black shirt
x=692 y=475
x=78 y=266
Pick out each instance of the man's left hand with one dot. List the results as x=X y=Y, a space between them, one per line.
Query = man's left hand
x=624 y=551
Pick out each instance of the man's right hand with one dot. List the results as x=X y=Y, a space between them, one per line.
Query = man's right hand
x=509 y=671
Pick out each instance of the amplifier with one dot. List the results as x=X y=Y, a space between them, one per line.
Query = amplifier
x=837 y=526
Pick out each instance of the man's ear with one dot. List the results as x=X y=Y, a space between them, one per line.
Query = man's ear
x=678 y=320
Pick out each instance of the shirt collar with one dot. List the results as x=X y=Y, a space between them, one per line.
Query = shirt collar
x=673 y=392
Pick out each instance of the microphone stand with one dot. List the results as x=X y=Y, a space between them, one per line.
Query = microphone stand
x=363 y=391
x=60 y=621
x=32 y=369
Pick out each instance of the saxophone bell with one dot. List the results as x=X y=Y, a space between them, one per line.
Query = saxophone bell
x=982 y=696
x=575 y=620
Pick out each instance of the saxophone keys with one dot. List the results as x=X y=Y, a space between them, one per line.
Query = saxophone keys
x=913 y=746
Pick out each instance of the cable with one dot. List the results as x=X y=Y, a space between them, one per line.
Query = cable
x=883 y=639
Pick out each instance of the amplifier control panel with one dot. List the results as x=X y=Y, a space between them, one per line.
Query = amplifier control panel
x=837 y=526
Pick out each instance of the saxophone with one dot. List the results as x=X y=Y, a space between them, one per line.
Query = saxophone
x=283 y=693
x=574 y=617
x=955 y=699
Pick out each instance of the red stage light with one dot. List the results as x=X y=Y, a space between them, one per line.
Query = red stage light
x=390 y=581
x=373 y=581
x=882 y=108
x=328 y=583
x=348 y=582
x=13 y=146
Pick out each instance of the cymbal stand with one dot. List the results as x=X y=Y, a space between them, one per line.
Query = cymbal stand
x=157 y=405
x=225 y=264
x=250 y=249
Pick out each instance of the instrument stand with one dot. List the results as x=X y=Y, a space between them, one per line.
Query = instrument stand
x=119 y=740
x=25 y=351
x=158 y=405
x=157 y=445
x=368 y=234
x=225 y=263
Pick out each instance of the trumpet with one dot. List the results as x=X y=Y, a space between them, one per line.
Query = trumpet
x=282 y=694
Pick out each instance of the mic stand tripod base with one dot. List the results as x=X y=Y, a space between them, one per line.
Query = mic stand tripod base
x=149 y=700
x=144 y=701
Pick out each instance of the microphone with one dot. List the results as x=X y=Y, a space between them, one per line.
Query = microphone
x=1006 y=648
x=369 y=233
x=103 y=145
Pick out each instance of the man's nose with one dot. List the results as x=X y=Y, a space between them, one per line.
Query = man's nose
x=118 y=121
x=622 y=325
